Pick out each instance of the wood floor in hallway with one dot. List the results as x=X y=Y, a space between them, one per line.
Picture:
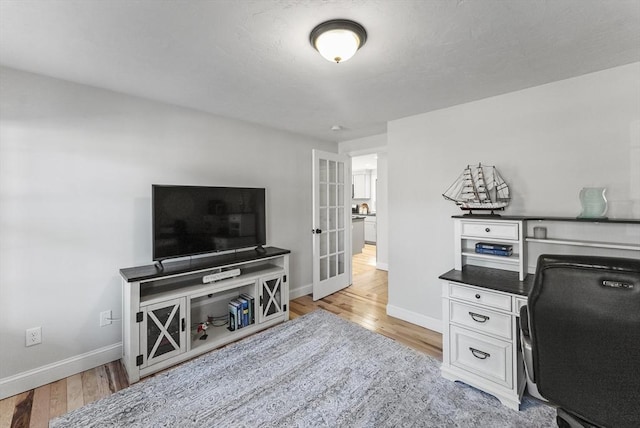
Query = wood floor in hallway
x=364 y=302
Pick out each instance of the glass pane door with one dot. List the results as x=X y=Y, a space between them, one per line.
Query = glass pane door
x=163 y=331
x=270 y=297
x=332 y=229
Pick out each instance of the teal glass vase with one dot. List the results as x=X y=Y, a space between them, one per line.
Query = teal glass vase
x=594 y=202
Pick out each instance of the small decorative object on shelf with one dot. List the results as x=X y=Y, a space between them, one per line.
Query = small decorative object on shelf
x=540 y=232
x=594 y=202
x=202 y=328
x=479 y=188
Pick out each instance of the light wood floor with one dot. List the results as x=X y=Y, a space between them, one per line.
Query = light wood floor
x=364 y=302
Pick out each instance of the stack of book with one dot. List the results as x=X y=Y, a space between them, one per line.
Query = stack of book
x=241 y=312
x=495 y=249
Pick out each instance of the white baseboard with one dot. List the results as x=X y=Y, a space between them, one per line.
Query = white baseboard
x=294 y=293
x=415 y=318
x=31 y=379
x=383 y=266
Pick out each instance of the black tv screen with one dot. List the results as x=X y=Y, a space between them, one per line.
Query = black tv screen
x=189 y=220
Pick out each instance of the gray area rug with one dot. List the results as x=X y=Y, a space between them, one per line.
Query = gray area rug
x=317 y=370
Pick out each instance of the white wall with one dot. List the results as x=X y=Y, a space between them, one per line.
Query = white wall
x=548 y=142
x=365 y=145
x=76 y=169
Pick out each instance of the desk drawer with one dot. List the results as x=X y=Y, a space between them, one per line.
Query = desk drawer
x=482 y=355
x=480 y=296
x=481 y=319
x=490 y=230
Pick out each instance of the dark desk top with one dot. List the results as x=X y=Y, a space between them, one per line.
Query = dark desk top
x=140 y=273
x=549 y=218
x=493 y=279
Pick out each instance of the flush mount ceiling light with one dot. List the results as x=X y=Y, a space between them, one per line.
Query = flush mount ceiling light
x=338 y=40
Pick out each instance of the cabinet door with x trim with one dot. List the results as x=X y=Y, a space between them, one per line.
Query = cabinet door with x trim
x=271 y=297
x=162 y=331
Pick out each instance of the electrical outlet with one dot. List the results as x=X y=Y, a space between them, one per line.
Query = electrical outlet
x=105 y=318
x=33 y=336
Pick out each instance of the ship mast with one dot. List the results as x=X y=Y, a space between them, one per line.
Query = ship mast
x=469 y=189
x=482 y=185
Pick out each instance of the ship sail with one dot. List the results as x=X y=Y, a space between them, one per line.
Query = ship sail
x=479 y=188
x=502 y=190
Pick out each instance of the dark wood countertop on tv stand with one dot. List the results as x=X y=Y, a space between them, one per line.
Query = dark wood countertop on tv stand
x=147 y=272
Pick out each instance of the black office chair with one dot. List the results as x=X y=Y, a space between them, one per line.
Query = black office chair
x=581 y=339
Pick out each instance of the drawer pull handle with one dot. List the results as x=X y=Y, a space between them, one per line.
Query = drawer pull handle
x=477 y=296
x=479 y=354
x=487 y=230
x=479 y=317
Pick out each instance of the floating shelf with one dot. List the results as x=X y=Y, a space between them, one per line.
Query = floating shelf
x=491 y=239
x=593 y=244
x=512 y=259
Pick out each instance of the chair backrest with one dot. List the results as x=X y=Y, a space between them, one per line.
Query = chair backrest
x=584 y=315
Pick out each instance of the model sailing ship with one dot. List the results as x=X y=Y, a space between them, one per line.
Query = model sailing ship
x=479 y=188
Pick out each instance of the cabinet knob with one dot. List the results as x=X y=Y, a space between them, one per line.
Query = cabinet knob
x=477 y=296
x=487 y=230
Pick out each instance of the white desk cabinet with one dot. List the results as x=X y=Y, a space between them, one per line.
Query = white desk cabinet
x=483 y=294
x=481 y=331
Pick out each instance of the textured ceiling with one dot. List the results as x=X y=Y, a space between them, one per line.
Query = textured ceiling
x=252 y=60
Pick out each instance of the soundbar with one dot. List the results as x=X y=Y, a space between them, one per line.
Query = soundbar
x=221 y=275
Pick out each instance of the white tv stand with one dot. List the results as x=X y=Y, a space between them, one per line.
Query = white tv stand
x=163 y=306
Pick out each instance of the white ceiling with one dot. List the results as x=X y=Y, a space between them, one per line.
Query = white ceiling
x=359 y=163
x=252 y=60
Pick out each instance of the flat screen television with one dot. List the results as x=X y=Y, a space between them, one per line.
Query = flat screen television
x=190 y=220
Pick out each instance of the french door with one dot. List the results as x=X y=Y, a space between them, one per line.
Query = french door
x=331 y=223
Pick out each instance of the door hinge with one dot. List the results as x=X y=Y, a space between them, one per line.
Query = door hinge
x=139 y=360
x=260 y=300
x=139 y=317
x=284 y=308
x=284 y=278
x=183 y=324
